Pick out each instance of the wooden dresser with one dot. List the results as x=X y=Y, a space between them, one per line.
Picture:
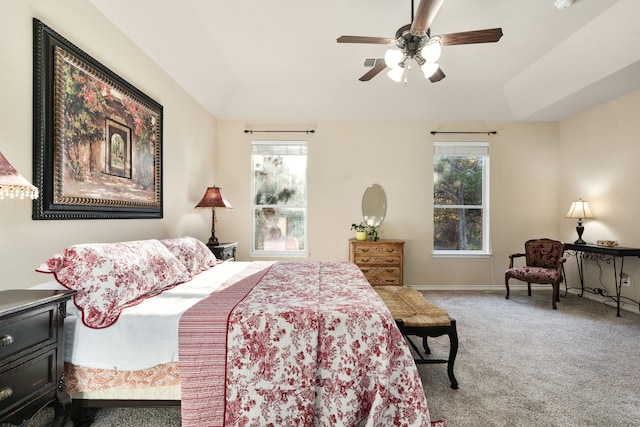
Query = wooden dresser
x=31 y=354
x=381 y=261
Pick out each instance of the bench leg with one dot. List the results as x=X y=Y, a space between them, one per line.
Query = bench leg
x=437 y=331
x=453 y=352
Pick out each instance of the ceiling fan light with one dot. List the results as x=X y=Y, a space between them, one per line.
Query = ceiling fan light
x=432 y=50
x=429 y=68
x=392 y=58
x=395 y=74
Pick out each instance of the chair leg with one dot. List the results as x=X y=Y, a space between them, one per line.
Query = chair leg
x=529 y=288
x=506 y=284
x=556 y=294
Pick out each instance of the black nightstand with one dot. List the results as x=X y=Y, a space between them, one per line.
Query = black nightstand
x=32 y=354
x=224 y=251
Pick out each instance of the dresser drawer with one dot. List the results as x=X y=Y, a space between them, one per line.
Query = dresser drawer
x=378 y=250
x=23 y=331
x=377 y=259
x=25 y=381
x=382 y=275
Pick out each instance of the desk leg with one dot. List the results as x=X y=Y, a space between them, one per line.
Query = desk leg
x=579 y=256
x=618 y=281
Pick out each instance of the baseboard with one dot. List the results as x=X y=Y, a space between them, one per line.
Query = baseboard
x=633 y=308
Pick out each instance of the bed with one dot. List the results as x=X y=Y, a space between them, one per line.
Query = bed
x=286 y=343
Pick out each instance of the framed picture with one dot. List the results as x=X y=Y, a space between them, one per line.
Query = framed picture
x=97 y=139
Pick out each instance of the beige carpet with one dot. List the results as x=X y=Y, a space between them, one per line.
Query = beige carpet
x=520 y=363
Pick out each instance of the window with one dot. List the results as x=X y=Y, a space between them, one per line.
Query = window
x=279 y=183
x=460 y=198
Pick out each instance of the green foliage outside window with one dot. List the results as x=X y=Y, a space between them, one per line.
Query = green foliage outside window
x=458 y=206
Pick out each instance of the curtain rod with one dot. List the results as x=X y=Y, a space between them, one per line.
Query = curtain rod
x=491 y=132
x=280 y=131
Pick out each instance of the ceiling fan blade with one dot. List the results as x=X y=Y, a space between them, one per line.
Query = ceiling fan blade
x=427 y=11
x=380 y=65
x=364 y=39
x=437 y=76
x=469 y=37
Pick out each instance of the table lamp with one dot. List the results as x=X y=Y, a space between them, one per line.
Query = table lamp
x=12 y=184
x=580 y=210
x=213 y=198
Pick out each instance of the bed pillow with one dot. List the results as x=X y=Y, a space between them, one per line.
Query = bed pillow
x=112 y=276
x=192 y=253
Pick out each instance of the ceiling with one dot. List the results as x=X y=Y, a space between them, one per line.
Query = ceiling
x=279 y=59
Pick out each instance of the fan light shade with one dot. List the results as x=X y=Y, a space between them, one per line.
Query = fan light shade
x=392 y=58
x=213 y=198
x=429 y=68
x=12 y=184
x=432 y=51
x=395 y=74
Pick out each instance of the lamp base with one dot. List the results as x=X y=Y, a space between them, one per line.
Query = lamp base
x=213 y=240
x=580 y=230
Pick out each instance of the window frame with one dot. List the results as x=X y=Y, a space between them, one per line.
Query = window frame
x=258 y=253
x=458 y=148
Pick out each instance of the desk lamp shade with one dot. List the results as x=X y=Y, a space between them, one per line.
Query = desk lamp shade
x=213 y=198
x=12 y=184
x=580 y=210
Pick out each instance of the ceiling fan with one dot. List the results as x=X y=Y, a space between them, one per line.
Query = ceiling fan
x=414 y=41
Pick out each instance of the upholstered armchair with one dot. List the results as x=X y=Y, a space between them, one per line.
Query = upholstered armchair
x=544 y=261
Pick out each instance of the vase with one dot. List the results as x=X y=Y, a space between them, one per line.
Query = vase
x=361 y=235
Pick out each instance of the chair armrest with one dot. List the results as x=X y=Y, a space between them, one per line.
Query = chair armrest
x=512 y=256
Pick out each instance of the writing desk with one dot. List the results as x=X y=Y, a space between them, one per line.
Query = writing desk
x=609 y=254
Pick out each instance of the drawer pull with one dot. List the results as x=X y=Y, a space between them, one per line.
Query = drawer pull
x=390 y=270
x=365 y=260
x=5 y=393
x=6 y=340
x=365 y=250
x=391 y=260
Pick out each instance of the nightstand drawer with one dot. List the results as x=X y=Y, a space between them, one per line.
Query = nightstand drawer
x=25 y=381
x=23 y=331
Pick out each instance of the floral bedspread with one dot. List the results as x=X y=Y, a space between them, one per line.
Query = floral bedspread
x=311 y=344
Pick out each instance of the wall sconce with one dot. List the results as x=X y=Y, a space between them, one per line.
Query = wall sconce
x=12 y=184
x=213 y=198
x=580 y=210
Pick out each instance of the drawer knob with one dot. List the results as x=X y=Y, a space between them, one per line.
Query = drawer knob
x=365 y=249
x=6 y=340
x=5 y=393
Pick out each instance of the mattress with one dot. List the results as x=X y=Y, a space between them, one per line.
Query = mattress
x=109 y=364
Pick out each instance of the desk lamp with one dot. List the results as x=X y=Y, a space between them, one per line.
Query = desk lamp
x=580 y=210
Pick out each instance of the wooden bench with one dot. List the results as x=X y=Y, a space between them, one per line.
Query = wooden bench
x=415 y=316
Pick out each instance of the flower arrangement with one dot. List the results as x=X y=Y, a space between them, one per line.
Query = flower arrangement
x=369 y=231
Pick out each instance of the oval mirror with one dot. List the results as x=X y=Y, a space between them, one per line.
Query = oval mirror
x=374 y=205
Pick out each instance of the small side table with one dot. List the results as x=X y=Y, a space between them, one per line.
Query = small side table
x=224 y=251
x=31 y=354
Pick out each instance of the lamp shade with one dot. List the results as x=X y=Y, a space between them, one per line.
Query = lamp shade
x=579 y=209
x=12 y=184
x=213 y=198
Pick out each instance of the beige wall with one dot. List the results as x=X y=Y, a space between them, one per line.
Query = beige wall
x=600 y=150
x=189 y=138
x=346 y=157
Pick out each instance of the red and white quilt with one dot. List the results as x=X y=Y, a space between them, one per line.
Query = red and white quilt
x=307 y=344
